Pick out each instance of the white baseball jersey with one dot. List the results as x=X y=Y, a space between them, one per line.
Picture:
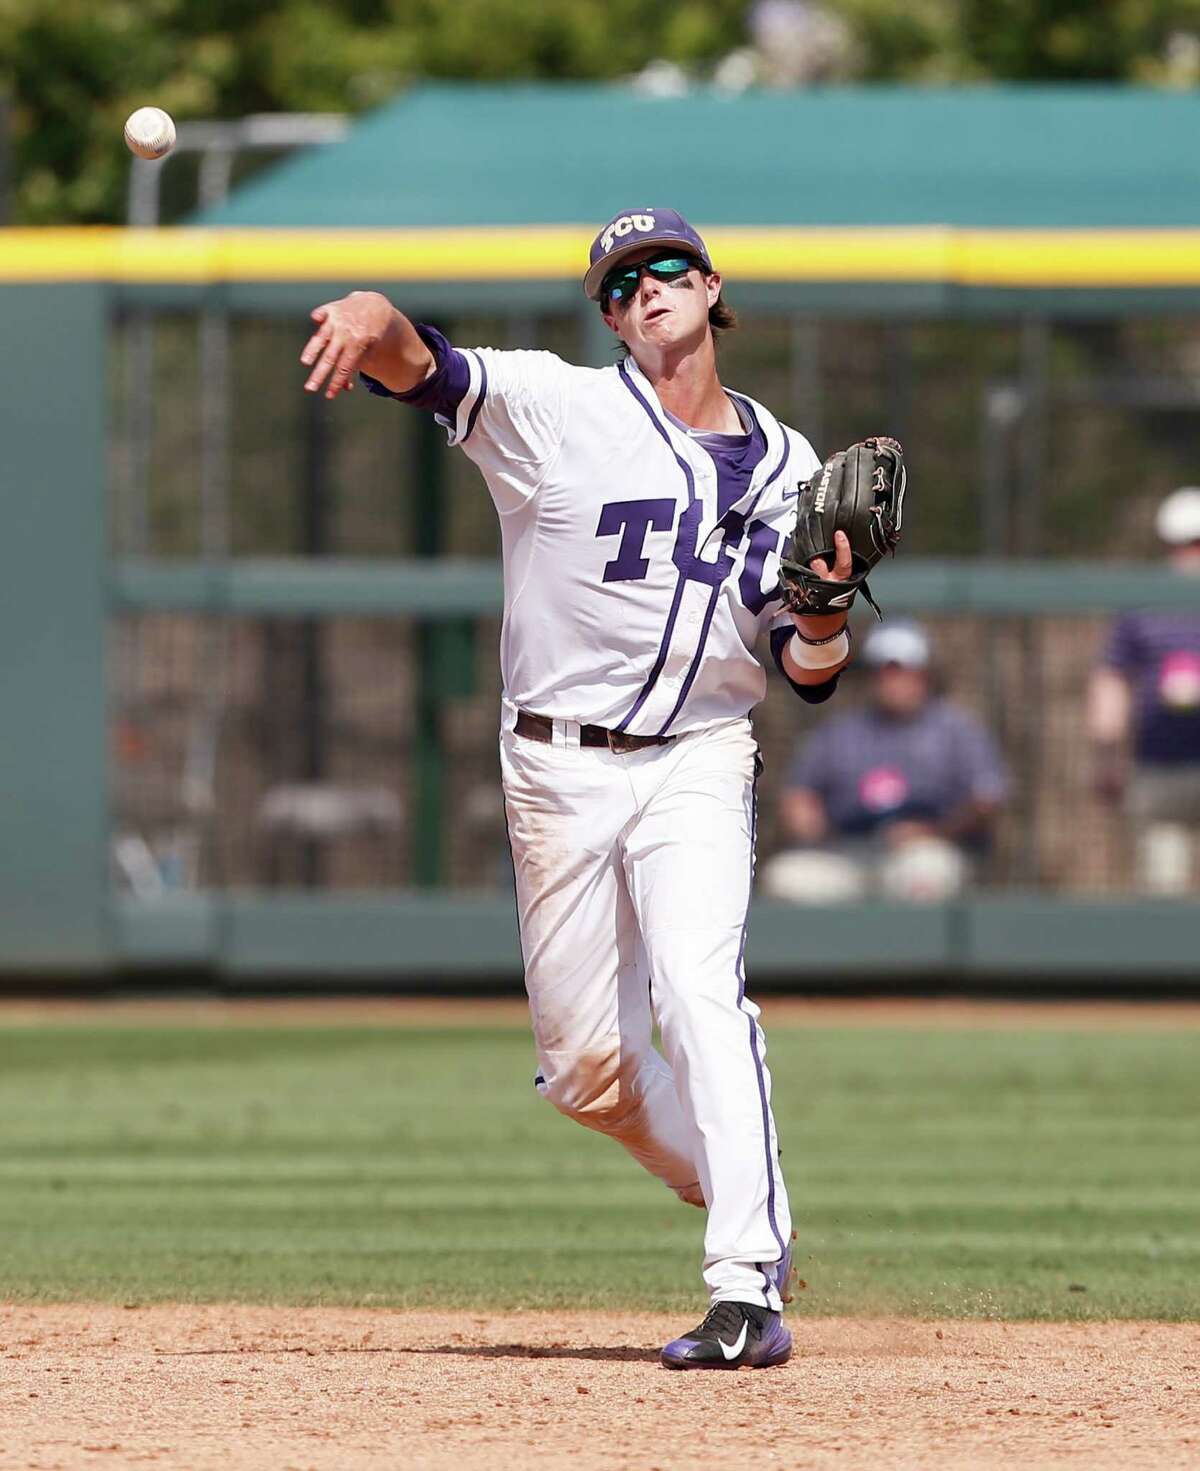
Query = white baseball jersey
x=633 y=597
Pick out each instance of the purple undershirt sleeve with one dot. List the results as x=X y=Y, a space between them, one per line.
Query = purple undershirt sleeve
x=812 y=694
x=442 y=392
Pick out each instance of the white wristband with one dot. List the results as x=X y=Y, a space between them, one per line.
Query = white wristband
x=819 y=656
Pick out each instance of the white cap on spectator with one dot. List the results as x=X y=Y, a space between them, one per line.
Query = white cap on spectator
x=1178 y=519
x=900 y=643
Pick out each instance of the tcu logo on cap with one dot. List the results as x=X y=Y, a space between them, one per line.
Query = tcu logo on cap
x=623 y=226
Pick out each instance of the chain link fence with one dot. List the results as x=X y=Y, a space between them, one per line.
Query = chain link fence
x=272 y=752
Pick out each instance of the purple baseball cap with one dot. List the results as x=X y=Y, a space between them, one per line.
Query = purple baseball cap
x=632 y=230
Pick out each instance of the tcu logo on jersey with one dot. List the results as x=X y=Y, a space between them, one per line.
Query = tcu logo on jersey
x=635 y=520
x=623 y=226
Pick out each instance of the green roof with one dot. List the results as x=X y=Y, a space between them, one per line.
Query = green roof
x=1054 y=157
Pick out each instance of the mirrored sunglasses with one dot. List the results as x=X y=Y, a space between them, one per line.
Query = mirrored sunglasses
x=622 y=282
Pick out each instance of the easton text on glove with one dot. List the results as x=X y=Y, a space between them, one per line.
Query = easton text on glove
x=860 y=491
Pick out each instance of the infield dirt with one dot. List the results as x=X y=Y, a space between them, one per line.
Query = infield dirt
x=314 y=1389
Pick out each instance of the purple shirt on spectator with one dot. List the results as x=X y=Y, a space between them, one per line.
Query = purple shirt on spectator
x=1159 y=654
x=870 y=768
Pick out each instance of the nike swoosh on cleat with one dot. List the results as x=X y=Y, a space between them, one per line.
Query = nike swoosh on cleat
x=731 y=1350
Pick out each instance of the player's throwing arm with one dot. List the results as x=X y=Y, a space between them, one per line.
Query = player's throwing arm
x=364 y=331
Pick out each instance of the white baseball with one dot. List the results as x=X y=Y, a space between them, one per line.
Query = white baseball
x=149 y=132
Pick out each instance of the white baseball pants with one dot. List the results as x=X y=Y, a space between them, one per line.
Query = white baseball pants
x=633 y=877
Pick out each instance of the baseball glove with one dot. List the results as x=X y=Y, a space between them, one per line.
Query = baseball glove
x=859 y=491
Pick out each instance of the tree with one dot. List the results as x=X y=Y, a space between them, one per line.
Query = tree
x=74 y=69
x=1152 y=41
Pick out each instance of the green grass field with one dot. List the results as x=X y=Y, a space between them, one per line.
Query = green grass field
x=960 y=1173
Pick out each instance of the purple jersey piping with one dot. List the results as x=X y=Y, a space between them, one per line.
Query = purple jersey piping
x=664 y=646
x=777 y=471
x=437 y=393
x=661 y=659
x=706 y=626
x=758 y=1064
x=478 y=404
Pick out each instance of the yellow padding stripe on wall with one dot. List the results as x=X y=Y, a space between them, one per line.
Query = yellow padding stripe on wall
x=1031 y=258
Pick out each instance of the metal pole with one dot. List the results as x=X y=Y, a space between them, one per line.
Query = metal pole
x=274 y=741
x=1002 y=409
x=142 y=212
x=1029 y=529
x=1035 y=370
x=428 y=777
x=133 y=524
x=200 y=762
x=1001 y=416
x=315 y=514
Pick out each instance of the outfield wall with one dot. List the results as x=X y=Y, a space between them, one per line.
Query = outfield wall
x=62 y=912
x=424 y=940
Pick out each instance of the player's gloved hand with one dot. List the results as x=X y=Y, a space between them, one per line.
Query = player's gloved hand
x=347 y=331
x=816 y=625
x=859 y=493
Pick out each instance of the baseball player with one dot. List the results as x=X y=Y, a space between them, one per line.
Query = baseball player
x=642 y=509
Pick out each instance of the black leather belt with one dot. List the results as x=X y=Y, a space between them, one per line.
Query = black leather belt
x=541 y=728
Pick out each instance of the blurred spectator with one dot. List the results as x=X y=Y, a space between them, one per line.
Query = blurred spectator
x=1144 y=704
x=896 y=798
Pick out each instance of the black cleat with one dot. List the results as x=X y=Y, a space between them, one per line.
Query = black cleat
x=733 y=1334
